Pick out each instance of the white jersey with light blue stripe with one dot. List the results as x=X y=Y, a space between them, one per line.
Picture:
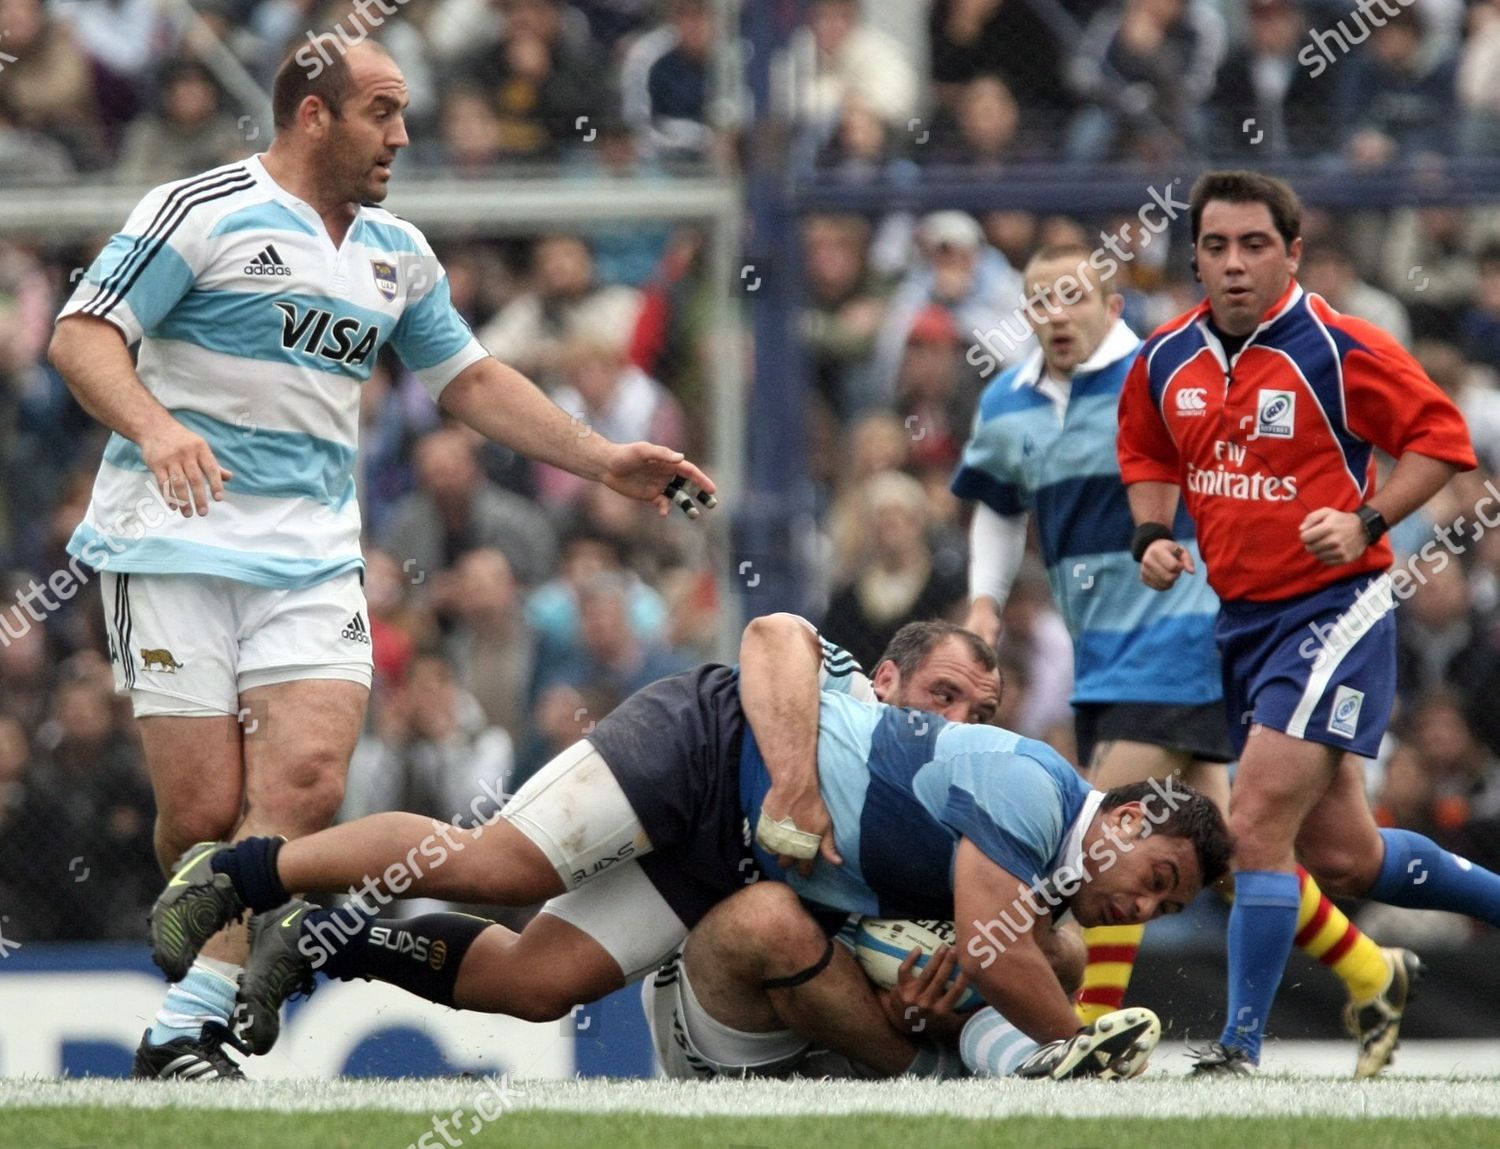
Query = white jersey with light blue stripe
x=257 y=333
x=903 y=786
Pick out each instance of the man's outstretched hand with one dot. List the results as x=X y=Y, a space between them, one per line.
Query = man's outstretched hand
x=660 y=475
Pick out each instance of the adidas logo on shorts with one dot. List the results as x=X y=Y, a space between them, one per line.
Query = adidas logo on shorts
x=268 y=262
x=356 y=631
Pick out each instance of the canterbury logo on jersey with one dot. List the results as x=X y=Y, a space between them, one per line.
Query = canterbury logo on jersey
x=1226 y=484
x=268 y=262
x=1192 y=401
x=356 y=631
x=316 y=332
x=836 y=660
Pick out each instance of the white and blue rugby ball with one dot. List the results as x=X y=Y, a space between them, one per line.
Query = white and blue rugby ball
x=881 y=945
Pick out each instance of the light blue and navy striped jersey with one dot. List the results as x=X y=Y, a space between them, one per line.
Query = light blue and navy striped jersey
x=1130 y=643
x=256 y=332
x=903 y=786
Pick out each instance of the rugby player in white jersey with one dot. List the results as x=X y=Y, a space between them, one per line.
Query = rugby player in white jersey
x=223 y=519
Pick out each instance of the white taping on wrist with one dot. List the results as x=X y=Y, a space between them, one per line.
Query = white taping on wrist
x=783 y=837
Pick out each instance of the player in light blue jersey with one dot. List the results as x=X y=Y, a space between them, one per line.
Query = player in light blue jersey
x=1146 y=679
x=1147 y=694
x=1148 y=690
x=223 y=520
x=930 y=818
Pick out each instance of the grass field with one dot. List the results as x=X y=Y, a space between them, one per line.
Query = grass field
x=1162 y=1112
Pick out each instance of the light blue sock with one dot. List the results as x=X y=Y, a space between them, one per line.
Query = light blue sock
x=206 y=994
x=1420 y=874
x=992 y=1046
x=1262 y=927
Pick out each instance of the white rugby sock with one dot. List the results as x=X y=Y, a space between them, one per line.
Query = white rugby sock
x=992 y=1046
x=206 y=994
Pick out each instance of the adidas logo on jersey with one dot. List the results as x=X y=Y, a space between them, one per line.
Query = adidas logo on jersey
x=356 y=631
x=268 y=262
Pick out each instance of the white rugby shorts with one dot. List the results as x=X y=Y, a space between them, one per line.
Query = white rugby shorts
x=574 y=811
x=189 y=645
x=690 y=1044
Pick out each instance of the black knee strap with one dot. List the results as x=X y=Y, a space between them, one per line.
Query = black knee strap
x=804 y=976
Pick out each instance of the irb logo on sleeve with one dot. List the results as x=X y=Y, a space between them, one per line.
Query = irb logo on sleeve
x=1276 y=414
x=1343 y=720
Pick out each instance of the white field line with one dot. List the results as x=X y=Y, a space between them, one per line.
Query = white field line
x=1157 y=1095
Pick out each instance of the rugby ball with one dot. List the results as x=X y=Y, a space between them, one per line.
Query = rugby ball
x=881 y=945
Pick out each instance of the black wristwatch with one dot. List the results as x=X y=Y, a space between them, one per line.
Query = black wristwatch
x=1374 y=521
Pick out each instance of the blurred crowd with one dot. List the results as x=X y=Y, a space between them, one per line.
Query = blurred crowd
x=623 y=86
x=511 y=606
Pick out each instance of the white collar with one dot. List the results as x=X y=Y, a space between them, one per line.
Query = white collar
x=1116 y=345
x=1072 y=847
x=1071 y=854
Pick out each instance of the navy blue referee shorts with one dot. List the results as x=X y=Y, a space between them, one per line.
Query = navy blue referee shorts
x=1320 y=667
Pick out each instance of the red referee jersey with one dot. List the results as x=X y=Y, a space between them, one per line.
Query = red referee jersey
x=1289 y=426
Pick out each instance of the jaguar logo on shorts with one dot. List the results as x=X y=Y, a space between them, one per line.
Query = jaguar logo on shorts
x=1344 y=719
x=385 y=277
x=162 y=659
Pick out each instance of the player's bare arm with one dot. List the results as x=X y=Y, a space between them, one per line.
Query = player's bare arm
x=92 y=357
x=779 y=661
x=1067 y=953
x=1017 y=980
x=1164 y=559
x=1337 y=537
x=508 y=408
